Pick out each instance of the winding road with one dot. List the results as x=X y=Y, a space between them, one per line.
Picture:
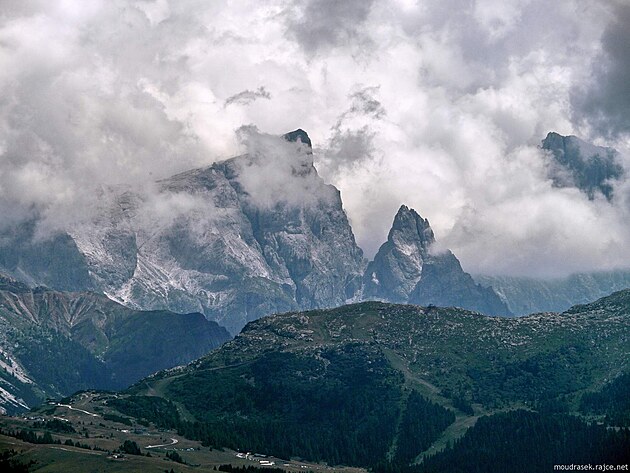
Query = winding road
x=80 y=410
x=174 y=441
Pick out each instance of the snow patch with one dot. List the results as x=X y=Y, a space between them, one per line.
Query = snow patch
x=7 y=398
x=11 y=366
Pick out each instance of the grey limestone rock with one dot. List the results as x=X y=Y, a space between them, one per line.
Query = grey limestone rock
x=576 y=163
x=405 y=269
x=253 y=235
x=397 y=267
x=256 y=234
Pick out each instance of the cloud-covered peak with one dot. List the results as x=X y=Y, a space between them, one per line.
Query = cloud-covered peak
x=279 y=170
x=576 y=163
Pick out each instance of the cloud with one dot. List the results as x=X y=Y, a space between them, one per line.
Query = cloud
x=326 y=24
x=364 y=104
x=604 y=100
x=248 y=96
x=440 y=104
x=276 y=171
x=346 y=149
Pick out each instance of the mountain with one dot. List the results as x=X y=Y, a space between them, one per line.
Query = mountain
x=527 y=295
x=406 y=270
x=246 y=237
x=576 y=163
x=217 y=240
x=398 y=264
x=54 y=343
x=375 y=384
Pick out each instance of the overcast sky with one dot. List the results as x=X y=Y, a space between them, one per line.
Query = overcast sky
x=438 y=104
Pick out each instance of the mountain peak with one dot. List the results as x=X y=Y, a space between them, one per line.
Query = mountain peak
x=576 y=163
x=555 y=141
x=397 y=267
x=409 y=222
x=298 y=135
x=404 y=270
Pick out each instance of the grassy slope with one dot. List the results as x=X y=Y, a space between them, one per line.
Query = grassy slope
x=494 y=364
x=109 y=435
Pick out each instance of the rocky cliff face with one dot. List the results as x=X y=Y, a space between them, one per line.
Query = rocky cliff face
x=397 y=267
x=575 y=163
x=54 y=262
x=256 y=234
x=406 y=270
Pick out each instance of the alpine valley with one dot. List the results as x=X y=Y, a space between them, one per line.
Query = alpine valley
x=55 y=343
x=372 y=385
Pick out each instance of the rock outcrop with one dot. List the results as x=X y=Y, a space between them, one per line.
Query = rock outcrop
x=405 y=269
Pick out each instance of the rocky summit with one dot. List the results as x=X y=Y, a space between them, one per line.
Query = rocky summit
x=405 y=269
x=576 y=163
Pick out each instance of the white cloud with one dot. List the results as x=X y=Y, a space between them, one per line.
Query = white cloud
x=438 y=104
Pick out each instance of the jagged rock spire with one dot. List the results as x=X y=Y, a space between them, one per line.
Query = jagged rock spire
x=405 y=270
x=397 y=266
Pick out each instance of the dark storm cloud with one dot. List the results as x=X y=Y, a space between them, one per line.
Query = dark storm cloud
x=605 y=102
x=323 y=24
x=363 y=106
x=346 y=148
x=248 y=96
x=364 y=102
